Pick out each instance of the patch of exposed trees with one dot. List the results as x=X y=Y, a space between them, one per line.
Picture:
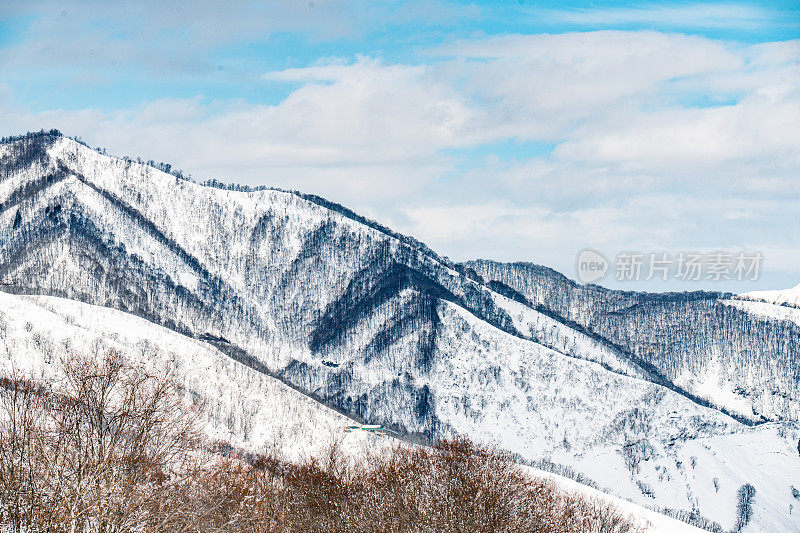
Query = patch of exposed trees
x=744 y=505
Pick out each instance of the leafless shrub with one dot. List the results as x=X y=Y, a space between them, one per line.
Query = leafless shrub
x=21 y=490
x=454 y=486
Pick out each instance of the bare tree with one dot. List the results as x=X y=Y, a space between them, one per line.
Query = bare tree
x=103 y=445
x=20 y=448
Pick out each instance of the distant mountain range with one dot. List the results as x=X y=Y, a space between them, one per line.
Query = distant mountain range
x=674 y=400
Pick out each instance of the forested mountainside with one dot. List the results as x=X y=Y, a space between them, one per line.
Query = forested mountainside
x=747 y=363
x=379 y=327
x=310 y=291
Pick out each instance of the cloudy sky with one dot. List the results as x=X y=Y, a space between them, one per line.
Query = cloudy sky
x=513 y=130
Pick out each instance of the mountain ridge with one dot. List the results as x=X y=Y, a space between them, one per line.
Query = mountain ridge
x=645 y=324
x=33 y=152
x=217 y=285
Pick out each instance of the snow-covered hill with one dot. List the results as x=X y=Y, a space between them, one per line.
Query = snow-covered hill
x=254 y=411
x=380 y=327
x=643 y=517
x=789 y=297
x=246 y=408
x=766 y=310
x=307 y=288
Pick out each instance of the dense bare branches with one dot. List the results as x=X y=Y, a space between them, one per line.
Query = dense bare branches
x=454 y=486
x=90 y=452
x=20 y=449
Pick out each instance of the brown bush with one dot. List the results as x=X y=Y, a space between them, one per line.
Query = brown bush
x=115 y=449
x=454 y=486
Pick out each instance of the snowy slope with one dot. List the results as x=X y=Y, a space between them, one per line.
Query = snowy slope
x=644 y=518
x=764 y=459
x=311 y=292
x=767 y=310
x=244 y=407
x=625 y=433
x=777 y=297
x=252 y=410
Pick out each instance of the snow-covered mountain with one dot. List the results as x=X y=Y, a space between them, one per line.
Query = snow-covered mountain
x=741 y=362
x=789 y=297
x=246 y=408
x=633 y=390
x=242 y=406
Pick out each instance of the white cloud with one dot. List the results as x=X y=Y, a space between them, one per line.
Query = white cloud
x=761 y=127
x=540 y=86
x=698 y=15
x=399 y=112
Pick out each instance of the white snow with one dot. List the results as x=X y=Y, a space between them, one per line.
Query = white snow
x=763 y=459
x=778 y=297
x=532 y=400
x=245 y=408
x=643 y=517
x=712 y=384
x=767 y=310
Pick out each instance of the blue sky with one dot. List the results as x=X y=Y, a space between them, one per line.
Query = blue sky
x=516 y=130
